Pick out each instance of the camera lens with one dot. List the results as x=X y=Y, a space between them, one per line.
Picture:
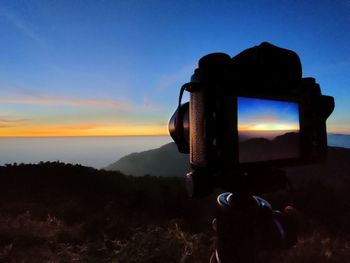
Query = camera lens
x=179 y=128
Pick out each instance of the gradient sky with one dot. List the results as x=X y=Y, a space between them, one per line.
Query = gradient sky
x=115 y=67
x=267 y=115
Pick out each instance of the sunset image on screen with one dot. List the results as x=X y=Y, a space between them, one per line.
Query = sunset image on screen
x=267 y=129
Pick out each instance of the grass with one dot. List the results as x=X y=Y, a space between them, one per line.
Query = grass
x=54 y=212
x=28 y=239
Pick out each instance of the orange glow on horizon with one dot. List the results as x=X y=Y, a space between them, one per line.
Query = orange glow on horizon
x=269 y=127
x=83 y=130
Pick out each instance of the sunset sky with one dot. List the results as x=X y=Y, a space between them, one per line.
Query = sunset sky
x=267 y=115
x=79 y=68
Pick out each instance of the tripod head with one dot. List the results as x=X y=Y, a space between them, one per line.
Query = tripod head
x=247 y=225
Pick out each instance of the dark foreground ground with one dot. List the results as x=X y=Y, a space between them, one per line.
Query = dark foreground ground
x=54 y=212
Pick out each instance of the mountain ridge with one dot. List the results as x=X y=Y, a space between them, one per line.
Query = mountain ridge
x=167 y=161
x=162 y=161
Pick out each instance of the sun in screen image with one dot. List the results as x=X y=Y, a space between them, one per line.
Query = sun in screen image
x=267 y=129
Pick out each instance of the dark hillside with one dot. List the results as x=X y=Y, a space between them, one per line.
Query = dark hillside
x=59 y=211
x=56 y=212
x=164 y=161
x=261 y=149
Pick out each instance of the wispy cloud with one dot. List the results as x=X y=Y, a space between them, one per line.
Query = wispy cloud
x=43 y=100
x=146 y=102
x=179 y=76
x=23 y=27
x=87 y=126
x=265 y=119
x=253 y=120
x=149 y=106
x=6 y=121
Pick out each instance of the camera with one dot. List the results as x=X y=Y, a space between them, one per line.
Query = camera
x=248 y=117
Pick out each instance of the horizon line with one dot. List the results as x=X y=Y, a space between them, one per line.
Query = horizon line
x=72 y=136
x=121 y=135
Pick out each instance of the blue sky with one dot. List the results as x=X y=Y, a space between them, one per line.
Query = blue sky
x=115 y=67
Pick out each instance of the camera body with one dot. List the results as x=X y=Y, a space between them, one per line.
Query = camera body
x=249 y=115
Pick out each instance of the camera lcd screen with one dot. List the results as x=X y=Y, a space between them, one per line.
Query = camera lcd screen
x=267 y=129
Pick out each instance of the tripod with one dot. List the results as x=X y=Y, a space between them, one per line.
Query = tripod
x=247 y=229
